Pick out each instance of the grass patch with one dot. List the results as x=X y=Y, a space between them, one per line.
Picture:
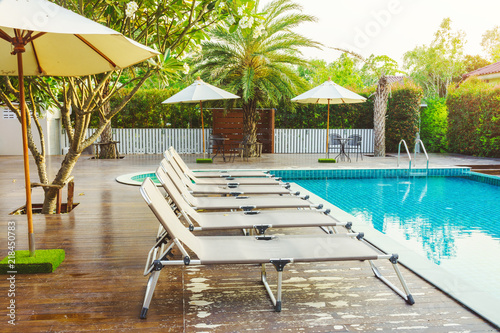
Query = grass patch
x=44 y=261
x=327 y=160
x=204 y=160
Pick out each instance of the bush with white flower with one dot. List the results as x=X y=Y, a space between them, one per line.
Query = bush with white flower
x=246 y=22
x=186 y=68
x=130 y=9
x=258 y=31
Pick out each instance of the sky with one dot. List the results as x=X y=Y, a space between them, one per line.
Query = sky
x=392 y=27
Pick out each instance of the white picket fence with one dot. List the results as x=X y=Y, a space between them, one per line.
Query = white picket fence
x=189 y=140
x=302 y=141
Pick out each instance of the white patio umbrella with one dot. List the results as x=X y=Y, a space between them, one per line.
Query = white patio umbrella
x=329 y=93
x=198 y=92
x=38 y=37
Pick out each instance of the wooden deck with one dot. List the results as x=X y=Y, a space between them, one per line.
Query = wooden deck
x=100 y=285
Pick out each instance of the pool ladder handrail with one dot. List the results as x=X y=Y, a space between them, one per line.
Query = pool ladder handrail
x=407 y=152
x=419 y=142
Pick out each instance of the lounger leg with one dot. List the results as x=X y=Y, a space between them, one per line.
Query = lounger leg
x=409 y=297
x=406 y=295
x=277 y=308
x=153 y=279
x=279 y=264
x=263 y=277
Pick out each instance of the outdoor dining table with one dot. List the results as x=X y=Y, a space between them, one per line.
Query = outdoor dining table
x=342 y=154
x=219 y=144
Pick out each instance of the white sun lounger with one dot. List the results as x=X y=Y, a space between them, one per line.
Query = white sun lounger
x=221 y=180
x=236 y=250
x=218 y=173
x=240 y=202
x=234 y=190
x=259 y=221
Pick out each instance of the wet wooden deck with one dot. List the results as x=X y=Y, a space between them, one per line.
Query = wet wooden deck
x=100 y=285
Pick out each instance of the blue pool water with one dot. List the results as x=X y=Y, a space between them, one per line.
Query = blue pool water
x=453 y=221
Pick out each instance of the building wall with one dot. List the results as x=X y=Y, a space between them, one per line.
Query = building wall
x=11 y=142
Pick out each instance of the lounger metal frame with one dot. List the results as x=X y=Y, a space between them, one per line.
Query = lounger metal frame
x=167 y=243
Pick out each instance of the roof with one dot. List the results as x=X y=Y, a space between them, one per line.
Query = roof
x=395 y=79
x=490 y=69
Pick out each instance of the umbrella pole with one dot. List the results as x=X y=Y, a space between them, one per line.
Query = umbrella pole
x=327 y=128
x=29 y=212
x=202 y=130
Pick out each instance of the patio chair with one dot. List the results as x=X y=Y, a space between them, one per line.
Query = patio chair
x=224 y=190
x=334 y=143
x=259 y=221
x=238 y=250
x=239 y=202
x=354 y=143
x=216 y=146
x=215 y=174
x=219 y=180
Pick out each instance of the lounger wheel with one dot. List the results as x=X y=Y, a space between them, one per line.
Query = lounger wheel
x=410 y=300
x=143 y=314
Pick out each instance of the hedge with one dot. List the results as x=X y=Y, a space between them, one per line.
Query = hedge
x=434 y=125
x=295 y=115
x=145 y=110
x=402 y=115
x=474 y=119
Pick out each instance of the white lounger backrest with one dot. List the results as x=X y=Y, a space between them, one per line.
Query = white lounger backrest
x=174 y=193
x=181 y=164
x=182 y=176
x=167 y=217
x=177 y=182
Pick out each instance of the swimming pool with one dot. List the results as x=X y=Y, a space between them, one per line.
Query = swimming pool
x=454 y=222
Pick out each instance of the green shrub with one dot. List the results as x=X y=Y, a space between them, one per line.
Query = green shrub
x=434 y=125
x=474 y=119
x=402 y=115
x=145 y=110
x=293 y=115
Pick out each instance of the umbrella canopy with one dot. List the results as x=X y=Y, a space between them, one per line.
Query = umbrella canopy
x=198 y=92
x=59 y=42
x=329 y=93
x=38 y=37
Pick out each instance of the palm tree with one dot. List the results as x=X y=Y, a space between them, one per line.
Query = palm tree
x=256 y=61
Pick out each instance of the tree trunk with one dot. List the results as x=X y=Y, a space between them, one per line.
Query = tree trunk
x=250 y=127
x=379 y=112
x=107 y=151
x=49 y=203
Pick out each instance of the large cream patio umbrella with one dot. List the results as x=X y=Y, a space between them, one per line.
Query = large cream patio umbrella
x=198 y=92
x=329 y=93
x=38 y=37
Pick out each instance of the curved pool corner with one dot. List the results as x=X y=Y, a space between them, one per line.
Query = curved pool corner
x=137 y=178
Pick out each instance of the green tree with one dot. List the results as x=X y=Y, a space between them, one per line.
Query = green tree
x=375 y=66
x=378 y=67
x=435 y=66
x=170 y=26
x=255 y=61
x=342 y=71
x=471 y=63
x=491 y=43
x=434 y=125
